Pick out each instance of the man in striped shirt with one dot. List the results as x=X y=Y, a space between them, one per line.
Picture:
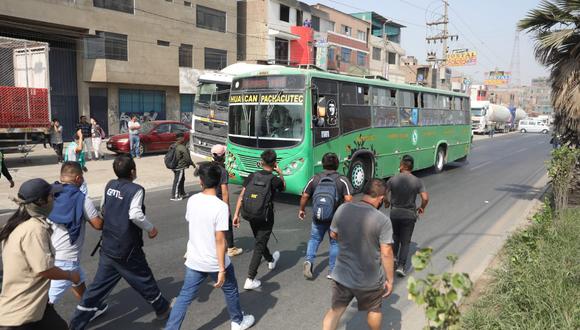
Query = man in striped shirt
x=319 y=229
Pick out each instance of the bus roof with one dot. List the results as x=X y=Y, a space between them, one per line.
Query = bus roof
x=283 y=70
x=229 y=72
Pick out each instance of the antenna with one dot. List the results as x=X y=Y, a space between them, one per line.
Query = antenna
x=515 y=80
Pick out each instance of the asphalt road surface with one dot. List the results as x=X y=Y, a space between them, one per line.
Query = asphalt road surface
x=466 y=200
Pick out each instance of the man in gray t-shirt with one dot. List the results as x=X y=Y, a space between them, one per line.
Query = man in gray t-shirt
x=403 y=189
x=365 y=256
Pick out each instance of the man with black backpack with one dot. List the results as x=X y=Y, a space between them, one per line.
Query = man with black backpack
x=328 y=190
x=257 y=206
x=178 y=160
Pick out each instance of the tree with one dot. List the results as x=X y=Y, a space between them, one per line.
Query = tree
x=556 y=28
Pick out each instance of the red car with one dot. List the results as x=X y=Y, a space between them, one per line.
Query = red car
x=155 y=136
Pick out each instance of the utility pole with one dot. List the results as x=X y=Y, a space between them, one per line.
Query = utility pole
x=515 y=63
x=441 y=37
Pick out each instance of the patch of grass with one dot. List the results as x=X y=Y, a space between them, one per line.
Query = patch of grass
x=537 y=284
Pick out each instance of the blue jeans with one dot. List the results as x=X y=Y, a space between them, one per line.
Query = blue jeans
x=59 y=287
x=316 y=236
x=134 y=145
x=193 y=279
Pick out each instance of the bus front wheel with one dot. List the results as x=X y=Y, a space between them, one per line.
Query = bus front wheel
x=359 y=174
x=439 y=160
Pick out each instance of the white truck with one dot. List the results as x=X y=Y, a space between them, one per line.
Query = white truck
x=24 y=94
x=209 y=123
x=486 y=116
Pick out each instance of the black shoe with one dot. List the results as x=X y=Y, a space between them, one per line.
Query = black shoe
x=164 y=315
x=85 y=169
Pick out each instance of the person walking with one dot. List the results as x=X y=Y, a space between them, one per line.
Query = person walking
x=56 y=140
x=4 y=170
x=403 y=189
x=121 y=254
x=85 y=128
x=28 y=262
x=328 y=191
x=134 y=130
x=364 y=236
x=257 y=206
x=72 y=209
x=218 y=152
x=182 y=161
x=207 y=218
x=97 y=136
x=74 y=151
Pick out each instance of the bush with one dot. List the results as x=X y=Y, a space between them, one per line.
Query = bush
x=537 y=285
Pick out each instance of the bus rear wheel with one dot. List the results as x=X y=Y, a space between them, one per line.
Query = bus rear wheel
x=359 y=174
x=439 y=160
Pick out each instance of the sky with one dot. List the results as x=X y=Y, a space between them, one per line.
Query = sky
x=487 y=27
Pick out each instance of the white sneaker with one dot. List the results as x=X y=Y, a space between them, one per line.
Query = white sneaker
x=276 y=257
x=246 y=323
x=252 y=284
x=100 y=311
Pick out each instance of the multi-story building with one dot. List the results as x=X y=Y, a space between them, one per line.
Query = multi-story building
x=384 y=46
x=265 y=29
x=348 y=48
x=540 y=92
x=110 y=59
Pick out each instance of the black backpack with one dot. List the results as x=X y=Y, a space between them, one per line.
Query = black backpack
x=325 y=199
x=171 y=160
x=257 y=200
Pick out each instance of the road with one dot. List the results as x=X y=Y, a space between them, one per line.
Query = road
x=466 y=201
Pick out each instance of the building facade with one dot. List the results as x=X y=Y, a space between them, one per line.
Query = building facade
x=540 y=94
x=384 y=46
x=347 y=41
x=111 y=59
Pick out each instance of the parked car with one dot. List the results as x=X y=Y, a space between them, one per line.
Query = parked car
x=155 y=136
x=533 y=126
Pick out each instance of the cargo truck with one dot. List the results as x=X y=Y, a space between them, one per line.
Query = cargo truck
x=24 y=94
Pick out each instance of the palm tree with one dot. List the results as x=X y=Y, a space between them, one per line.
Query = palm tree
x=556 y=28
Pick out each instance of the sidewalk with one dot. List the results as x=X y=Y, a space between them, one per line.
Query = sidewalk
x=151 y=173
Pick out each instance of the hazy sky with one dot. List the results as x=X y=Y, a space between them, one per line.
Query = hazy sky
x=485 y=26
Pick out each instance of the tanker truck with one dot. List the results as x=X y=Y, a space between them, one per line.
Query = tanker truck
x=486 y=115
x=516 y=114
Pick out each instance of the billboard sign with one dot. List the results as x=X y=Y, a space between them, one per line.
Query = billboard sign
x=462 y=57
x=497 y=78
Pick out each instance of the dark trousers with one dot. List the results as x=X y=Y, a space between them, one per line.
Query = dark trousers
x=134 y=270
x=230 y=233
x=58 y=150
x=178 y=188
x=262 y=231
x=50 y=320
x=402 y=232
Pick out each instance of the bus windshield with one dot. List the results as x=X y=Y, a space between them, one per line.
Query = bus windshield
x=211 y=92
x=266 y=125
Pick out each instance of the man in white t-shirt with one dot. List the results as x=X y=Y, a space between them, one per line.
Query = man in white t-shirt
x=72 y=209
x=134 y=130
x=207 y=217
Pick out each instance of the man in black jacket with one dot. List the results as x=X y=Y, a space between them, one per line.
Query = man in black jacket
x=122 y=253
x=183 y=162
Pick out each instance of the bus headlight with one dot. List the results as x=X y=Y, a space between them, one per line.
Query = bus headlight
x=293 y=166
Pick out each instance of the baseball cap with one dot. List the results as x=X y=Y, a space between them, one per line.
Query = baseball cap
x=35 y=189
x=218 y=149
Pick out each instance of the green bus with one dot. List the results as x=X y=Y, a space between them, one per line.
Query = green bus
x=369 y=123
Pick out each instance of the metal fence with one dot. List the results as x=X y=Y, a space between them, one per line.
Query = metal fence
x=24 y=85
